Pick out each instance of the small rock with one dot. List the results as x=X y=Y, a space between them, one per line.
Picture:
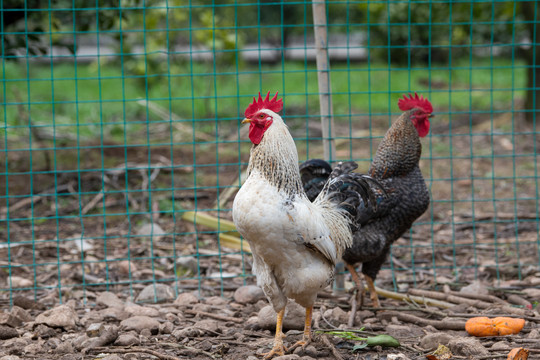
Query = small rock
x=95 y=330
x=126 y=267
x=109 y=299
x=44 y=332
x=111 y=357
x=186 y=333
x=336 y=316
x=399 y=356
x=309 y=351
x=476 y=287
x=127 y=339
x=215 y=300
x=137 y=310
x=166 y=328
x=147 y=333
x=7 y=332
x=287 y=357
x=138 y=323
x=532 y=293
x=500 y=345
x=187 y=265
x=208 y=326
x=33 y=348
x=403 y=331
x=27 y=303
x=10 y=320
x=64 y=348
x=156 y=293
x=431 y=342
x=61 y=316
x=202 y=308
x=293 y=320
x=534 y=334
x=248 y=294
x=114 y=313
x=21 y=314
x=462 y=346
x=19 y=282
x=153 y=230
x=186 y=299
x=10 y=357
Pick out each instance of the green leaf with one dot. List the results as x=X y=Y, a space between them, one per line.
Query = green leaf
x=382 y=340
x=359 y=347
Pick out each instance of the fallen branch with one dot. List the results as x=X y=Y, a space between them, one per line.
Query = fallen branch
x=437 y=324
x=331 y=346
x=138 y=350
x=450 y=298
x=416 y=299
x=214 y=316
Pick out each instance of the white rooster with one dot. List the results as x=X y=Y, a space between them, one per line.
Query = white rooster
x=295 y=243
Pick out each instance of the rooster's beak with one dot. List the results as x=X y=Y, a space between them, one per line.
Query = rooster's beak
x=246 y=120
x=431 y=115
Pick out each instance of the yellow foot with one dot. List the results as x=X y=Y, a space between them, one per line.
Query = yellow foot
x=277 y=350
x=301 y=343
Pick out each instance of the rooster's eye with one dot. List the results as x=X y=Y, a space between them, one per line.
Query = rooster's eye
x=261 y=116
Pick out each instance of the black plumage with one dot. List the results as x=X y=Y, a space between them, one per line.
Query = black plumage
x=396 y=167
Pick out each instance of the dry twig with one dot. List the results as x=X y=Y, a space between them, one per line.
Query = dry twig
x=438 y=324
x=331 y=346
x=136 y=349
x=214 y=316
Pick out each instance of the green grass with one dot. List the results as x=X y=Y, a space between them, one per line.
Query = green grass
x=99 y=100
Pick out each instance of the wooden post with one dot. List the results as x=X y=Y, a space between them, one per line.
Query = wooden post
x=325 y=103
x=323 y=74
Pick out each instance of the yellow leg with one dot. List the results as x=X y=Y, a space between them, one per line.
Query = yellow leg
x=359 y=284
x=306 y=338
x=372 y=292
x=278 y=349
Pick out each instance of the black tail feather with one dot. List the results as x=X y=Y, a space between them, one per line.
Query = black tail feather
x=350 y=190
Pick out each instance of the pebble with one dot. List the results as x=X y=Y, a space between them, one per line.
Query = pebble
x=294 y=317
x=336 y=316
x=7 y=332
x=431 y=341
x=215 y=300
x=22 y=314
x=152 y=229
x=138 y=323
x=186 y=299
x=208 y=325
x=10 y=357
x=10 y=320
x=188 y=264
x=65 y=347
x=111 y=357
x=127 y=339
x=62 y=316
x=403 y=331
x=114 y=313
x=166 y=328
x=156 y=293
x=248 y=294
x=500 y=345
x=462 y=346
x=94 y=330
x=287 y=357
x=19 y=282
x=476 y=287
x=137 y=310
x=43 y=331
x=109 y=299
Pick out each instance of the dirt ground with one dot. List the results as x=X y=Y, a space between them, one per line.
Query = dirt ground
x=88 y=249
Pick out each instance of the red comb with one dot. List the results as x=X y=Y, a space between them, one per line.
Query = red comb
x=271 y=104
x=411 y=102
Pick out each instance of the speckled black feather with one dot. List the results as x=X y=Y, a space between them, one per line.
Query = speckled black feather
x=395 y=167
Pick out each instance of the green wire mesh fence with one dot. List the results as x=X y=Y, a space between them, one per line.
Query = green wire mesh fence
x=122 y=146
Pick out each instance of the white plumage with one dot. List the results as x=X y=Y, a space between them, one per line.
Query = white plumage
x=295 y=243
